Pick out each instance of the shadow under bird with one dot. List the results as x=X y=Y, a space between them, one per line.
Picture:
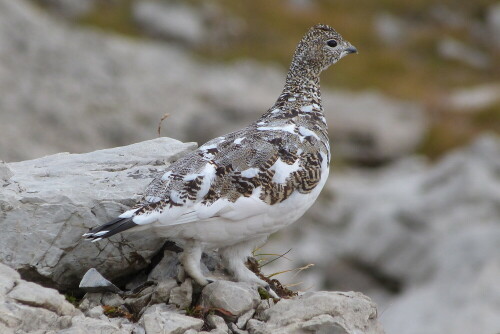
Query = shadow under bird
x=234 y=191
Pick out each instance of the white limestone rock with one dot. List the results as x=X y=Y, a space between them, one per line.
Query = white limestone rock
x=55 y=199
x=32 y=294
x=323 y=312
x=171 y=21
x=93 y=281
x=234 y=297
x=160 y=319
x=182 y=295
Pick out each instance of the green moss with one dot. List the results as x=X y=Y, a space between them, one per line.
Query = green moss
x=72 y=299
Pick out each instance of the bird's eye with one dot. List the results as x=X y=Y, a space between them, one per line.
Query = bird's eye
x=332 y=43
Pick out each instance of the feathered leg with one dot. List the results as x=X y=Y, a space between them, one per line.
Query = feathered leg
x=190 y=260
x=235 y=256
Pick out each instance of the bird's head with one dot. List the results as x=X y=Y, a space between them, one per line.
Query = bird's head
x=321 y=47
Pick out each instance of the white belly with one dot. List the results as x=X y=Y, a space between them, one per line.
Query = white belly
x=219 y=232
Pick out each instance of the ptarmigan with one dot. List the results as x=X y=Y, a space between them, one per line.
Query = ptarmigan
x=235 y=190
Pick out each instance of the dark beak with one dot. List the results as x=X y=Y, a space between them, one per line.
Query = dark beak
x=351 y=49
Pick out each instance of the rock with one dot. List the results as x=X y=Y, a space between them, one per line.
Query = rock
x=237 y=330
x=159 y=319
x=216 y=322
x=493 y=21
x=98 y=299
x=24 y=318
x=390 y=29
x=264 y=305
x=8 y=278
x=182 y=296
x=83 y=325
x=137 y=304
x=243 y=319
x=167 y=268
x=55 y=199
x=359 y=123
x=171 y=21
x=234 y=297
x=455 y=50
x=162 y=291
x=26 y=307
x=34 y=295
x=322 y=312
x=71 y=9
x=93 y=281
x=5 y=172
x=96 y=312
x=474 y=99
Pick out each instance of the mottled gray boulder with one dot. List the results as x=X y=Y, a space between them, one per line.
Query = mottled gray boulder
x=182 y=295
x=234 y=297
x=32 y=294
x=71 y=9
x=171 y=21
x=48 y=203
x=160 y=319
x=320 y=312
x=473 y=99
x=454 y=49
x=359 y=122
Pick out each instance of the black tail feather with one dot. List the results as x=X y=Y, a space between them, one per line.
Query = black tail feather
x=111 y=228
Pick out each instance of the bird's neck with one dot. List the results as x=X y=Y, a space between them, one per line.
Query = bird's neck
x=301 y=97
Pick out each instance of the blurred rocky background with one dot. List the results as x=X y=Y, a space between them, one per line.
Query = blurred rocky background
x=410 y=215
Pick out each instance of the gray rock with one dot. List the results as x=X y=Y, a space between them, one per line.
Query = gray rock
x=167 y=268
x=325 y=312
x=5 y=172
x=93 y=281
x=390 y=29
x=57 y=198
x=359 y=123
x=171 y=21
x=216 y=322
x=69 y=8
x=28 y=319
x=234 y=297
x=236 y=330
x=159 y=319
x=8 y=279
x=139 y=303
x=243 y=319
x=493 y=21
x=84 y=325
x=98 y=299
x=162 y=291
x=324 y=324
x=473 y=99
x=34 y=295
x=456 y=50
x=264 y=305
x=182 y=295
